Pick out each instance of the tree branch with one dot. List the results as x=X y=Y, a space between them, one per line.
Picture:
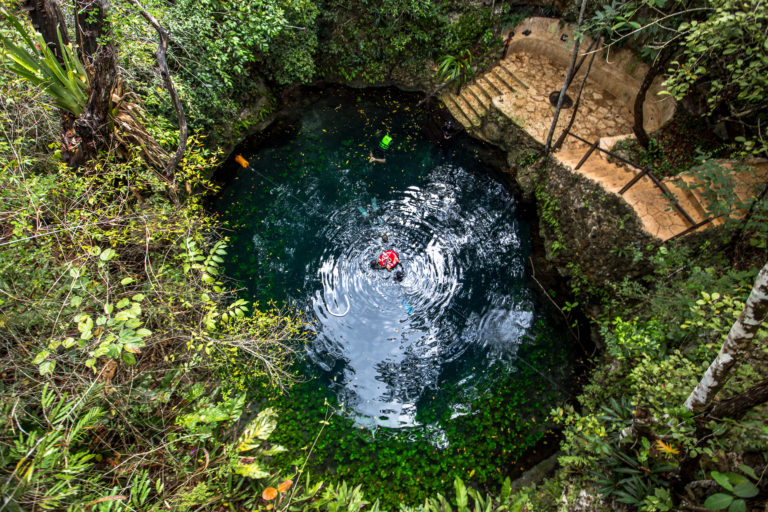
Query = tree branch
x=740 y=404
x=737 y=343
x=162 y=47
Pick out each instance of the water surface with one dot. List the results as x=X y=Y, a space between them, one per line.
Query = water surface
x=309 y=216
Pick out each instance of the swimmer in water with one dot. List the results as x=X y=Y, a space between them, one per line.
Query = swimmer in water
x=380 y=153
x=389 y=260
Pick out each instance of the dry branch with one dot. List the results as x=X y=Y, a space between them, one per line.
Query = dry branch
x=162 y=48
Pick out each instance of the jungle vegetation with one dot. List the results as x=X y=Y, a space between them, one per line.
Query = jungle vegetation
x=132 y=377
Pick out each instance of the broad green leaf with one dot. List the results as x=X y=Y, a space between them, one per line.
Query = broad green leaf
x=107 y=254
x=738 y=506
x=745 y=490
x=40 y=357
x=47 y=367
x=251 y=469
x=718 y=501
x=461 y=494
x=747 y=470
x=274 y=450
x=259 y=428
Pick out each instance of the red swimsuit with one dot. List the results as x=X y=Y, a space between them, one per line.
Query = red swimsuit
x=389 y=259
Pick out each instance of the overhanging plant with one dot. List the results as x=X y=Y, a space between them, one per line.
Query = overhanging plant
x=66 y=81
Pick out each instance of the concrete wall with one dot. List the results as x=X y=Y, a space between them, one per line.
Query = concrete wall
x=618 y=72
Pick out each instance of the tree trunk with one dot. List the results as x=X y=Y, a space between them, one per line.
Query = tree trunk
x=46 y=17
x=91 y=27
x=656 y=68
x=568 y=78
x=93 y=126
x=97 y=52
x=562 y=137
x=737 y=344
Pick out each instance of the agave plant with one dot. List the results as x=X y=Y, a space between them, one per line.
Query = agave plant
x=66 y=81
x=455 y=67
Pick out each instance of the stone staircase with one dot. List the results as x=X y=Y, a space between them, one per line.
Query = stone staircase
x=472 y=103
x=518 y=87
x=656 y=212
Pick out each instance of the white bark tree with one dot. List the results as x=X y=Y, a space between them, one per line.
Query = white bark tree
x=736 y=345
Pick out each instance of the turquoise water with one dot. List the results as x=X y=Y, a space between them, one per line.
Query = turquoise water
x=310 y=214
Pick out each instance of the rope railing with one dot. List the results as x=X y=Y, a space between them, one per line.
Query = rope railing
x=646 y=171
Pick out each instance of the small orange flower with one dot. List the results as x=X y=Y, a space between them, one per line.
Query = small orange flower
x=269 y=493
x=666 y=448
x=284 y=486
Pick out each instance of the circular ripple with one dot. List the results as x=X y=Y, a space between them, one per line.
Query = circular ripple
x=393 y=342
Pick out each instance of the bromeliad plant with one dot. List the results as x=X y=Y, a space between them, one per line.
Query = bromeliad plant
x=66 y=81
x=455 y=67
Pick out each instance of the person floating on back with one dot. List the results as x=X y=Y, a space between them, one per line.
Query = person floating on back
x=389 y=260
x=380 y=153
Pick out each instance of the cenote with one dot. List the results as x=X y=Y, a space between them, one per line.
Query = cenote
x=449 y=370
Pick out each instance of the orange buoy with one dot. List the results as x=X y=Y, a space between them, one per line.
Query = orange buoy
x=389 y=259
x=242 y=161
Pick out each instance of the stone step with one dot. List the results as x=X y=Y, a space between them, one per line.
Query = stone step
x=487 y=86
x=481 y=93
x=686 y=201
x=476 y=100
x=690 y=198
x=467 y=109
x=613 y=177
x=499 y=80
x=456 y=111
x=509 y=69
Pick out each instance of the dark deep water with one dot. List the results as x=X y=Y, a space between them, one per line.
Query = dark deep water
x=309 y=215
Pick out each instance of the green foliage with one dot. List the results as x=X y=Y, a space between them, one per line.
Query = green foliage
x=225 y=48
x=51 y=459
x=117 y=329
x=66 y=82
x=377 y=41
x=738 y=488
x=728 y=47
x=548 y=207
x=250 y=449
x=628 y=340
x=456 y=68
